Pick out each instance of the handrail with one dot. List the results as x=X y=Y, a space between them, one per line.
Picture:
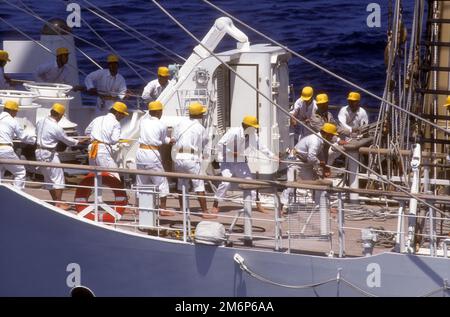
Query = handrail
x=313 y=185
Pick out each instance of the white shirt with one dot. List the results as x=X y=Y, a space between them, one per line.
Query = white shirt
x=190 y=134
x=152 y=90
x=350 y=119
x=49 y=132
x=10 y=129
x=310 y=148
x=153 y=132
x=106 y=84
x=235 y=140
x=3 y=83
x=51 y=73
x=302 y=111
x=105 y=129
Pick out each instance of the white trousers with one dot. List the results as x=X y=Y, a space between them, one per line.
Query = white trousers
x=53 y=177
x=18 y=171
x=150 y=160
x=191 y=167
x=238 y=169
x=104 y=160
x=297 y=172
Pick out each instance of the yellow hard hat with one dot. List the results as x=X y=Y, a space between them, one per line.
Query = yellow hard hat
x=155 y=106
x=112 y=58
x=447 y=103
x=163 y=71
x=120 y=107
x=62 y=51
x=251 y=121
x=307 y=93
x=354 y=96
x=321 y=99
x=59 y=108
x=329 y=128
x=196 y=108
x=11 y=105
x=4 y=56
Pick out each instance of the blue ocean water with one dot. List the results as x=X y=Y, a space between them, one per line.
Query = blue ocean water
x=334 y=34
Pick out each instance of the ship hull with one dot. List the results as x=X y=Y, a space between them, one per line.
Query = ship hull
x=46 y=253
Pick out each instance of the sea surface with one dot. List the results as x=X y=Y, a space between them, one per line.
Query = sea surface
x=333 y=34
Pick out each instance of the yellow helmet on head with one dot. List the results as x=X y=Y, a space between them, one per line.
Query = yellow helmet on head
x=4 y=56
x=155 y=106
x=196 y=108
x=329 y=128
x=354 y=96
x=321 y=99
x=307 y=93
x=447 y=103
x=112 y=58
x=120 y=107
x=251 y=121
x=62 y=51
x=59 y=108
x=163 y=71
x=11 y=105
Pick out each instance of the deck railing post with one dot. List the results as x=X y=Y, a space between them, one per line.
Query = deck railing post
x=341 y=227
x=432 y=230
x=353 y=176
x=248 y=217
x=184 y=208
x=399 y=236
x=278 y=211
x=96 y=195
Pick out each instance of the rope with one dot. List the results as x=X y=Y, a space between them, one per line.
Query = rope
x=323 y=68
x=284 y=111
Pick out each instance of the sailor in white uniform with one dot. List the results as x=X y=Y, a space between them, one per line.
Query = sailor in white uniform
x=10 y=129
x=104 y=132
x=153 y=134
x=191 y=139
x=107 y=84
x=49 y=133
x=304 y=108
x=55 y=72
x=155 y=87
x=232 y=151
x=310 y=152
x=4 y=58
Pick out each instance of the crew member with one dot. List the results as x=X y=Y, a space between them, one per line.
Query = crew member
x=153 y=134
x=10 y=129
x=55 y=72
x=352 y=117
x=49 y=133
x=303 y=110
x=4 y=59
x=310 y=152
x=191 y=138
x=107 y=84
x=154 y=88
x=232 y=149
x=104 y=132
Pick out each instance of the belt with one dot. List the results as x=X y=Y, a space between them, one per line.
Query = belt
x=45 y=148
x=94 y=149
x=148 y=147
x=5 y=144
x=189 y=151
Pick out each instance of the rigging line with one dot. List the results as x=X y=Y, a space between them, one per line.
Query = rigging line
x=36 y=42
x=135 y=30
x=81 y=51
x=326 y=70
x=288 y=114
x=56 y=28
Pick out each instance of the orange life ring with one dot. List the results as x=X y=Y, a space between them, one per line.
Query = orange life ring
x=82 y=196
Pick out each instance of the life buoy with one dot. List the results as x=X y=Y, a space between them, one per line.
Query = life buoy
x=82 y=196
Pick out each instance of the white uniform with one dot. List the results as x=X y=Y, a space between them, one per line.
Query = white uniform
x=105 y=129
x=106 y=84
x=51 y=73
x=309 y=152
x=3 y=83
x=349 y=119
x=302 y=112
x=236 y=141
x=48 y=134
x=153 y=132
x=9 y=129
x=191 y=138
x=152 y=90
